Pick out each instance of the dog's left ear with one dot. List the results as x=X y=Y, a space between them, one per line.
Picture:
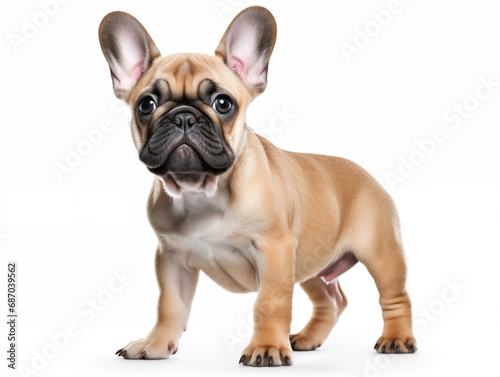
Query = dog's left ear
x=247 y=45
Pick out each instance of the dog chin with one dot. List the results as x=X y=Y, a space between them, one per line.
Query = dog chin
x=179 y=183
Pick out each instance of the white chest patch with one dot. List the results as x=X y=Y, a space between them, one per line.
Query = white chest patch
x=215 y=242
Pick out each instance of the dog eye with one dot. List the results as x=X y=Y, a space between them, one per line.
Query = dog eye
x=223 y=104
x=146 y=105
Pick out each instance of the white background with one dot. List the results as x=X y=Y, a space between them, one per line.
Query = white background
x=69 y=234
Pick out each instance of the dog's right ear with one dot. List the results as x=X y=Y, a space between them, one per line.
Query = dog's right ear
x=128 y=49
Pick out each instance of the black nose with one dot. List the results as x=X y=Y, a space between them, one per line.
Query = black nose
x=185 y=117
x=185 y=120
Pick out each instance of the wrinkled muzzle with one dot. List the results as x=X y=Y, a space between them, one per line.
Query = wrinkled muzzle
x=185 y=141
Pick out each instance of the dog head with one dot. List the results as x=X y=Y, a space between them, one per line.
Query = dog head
x=188 y=121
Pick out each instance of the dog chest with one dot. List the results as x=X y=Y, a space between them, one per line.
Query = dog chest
x=227 y=257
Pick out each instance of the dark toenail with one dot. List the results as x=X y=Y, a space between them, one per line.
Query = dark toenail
x=398 y=350
x=383 y=349
x=376 y=346
x=123 y=353
x=120 y=350
x=287 y=360
x=392 y=346
x=412 y=348
x=170 y=346
x=266 y=355
x=142 y=355
x=242 y=359
x=271 y=361
x=259 y=359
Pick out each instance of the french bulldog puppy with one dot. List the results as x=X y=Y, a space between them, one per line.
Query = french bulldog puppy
x=228 y=202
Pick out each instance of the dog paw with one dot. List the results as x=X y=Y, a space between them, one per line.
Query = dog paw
x=395 y=344
x=148 y=349
x=267 y=356
x=302 y=342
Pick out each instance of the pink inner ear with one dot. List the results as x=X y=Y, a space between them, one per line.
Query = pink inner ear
x=243 y=56
x=249 y=68
x=130 y=66
x=127 y=76
x=136 y=71
x=237 y=66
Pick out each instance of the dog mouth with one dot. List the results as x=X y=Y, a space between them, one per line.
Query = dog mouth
x=177 y=184
x=187 y=150
x=186 y=171
x=185 y=143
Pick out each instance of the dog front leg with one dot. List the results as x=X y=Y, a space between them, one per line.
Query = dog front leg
x=177 y=284
x=270 y=344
